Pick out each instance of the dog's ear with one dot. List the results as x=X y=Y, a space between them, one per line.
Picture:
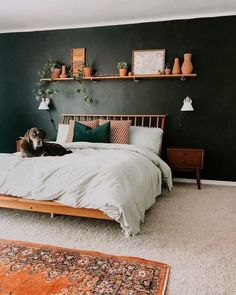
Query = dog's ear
x=44 y=134
x=26 y=136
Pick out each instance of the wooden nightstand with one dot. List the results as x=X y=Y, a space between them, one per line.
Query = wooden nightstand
x=186 y=159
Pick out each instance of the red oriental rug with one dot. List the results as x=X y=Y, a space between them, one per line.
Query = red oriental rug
x=34 y=269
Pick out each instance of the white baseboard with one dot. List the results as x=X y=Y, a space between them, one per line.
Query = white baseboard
x=206 y=181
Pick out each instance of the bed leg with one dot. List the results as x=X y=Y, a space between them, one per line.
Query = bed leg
x=52 y=215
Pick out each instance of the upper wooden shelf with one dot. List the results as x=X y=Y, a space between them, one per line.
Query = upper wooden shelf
x=133 y=77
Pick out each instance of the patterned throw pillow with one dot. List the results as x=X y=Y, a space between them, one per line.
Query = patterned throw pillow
x=70 y=134
x=119 y=130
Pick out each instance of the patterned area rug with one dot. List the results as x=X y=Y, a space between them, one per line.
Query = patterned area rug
x=34 y=269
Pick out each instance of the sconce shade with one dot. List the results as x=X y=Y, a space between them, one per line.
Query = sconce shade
x=44 y=104
x=187 y=106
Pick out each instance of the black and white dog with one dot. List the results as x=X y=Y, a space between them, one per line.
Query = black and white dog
x=33 y=145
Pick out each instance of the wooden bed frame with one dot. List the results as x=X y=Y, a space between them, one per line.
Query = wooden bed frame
x=56 y=208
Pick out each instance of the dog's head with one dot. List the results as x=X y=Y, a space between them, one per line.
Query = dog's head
x=35 y=136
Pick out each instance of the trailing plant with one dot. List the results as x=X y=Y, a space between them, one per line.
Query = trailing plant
x=122 y=65
x=42 y=92
x=82 y=90
x=46 y=70
x=69 y=72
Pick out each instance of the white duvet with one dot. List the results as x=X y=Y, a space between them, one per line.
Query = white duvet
x=120 y=180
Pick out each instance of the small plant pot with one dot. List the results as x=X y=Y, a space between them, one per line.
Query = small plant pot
x=123 y=72
x=55 y=73
x=88 y=71
x=167 y=71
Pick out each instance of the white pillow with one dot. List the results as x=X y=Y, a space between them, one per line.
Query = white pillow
x=150 y=138
x=62 y=132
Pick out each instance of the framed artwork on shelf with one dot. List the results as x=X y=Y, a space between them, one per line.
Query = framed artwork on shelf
x=148 y=61
x=77 y=60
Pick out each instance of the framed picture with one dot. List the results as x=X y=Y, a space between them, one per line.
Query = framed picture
x=77 y=60
x=148 y=62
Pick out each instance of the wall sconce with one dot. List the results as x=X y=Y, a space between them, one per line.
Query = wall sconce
x=187 y=105
x=44 y=105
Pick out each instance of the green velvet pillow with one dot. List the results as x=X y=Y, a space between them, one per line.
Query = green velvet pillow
x=86 y=133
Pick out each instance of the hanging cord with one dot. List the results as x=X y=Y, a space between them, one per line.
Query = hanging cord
x=183 y=116
x=52 y=121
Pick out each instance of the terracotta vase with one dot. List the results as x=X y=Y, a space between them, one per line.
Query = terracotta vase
x=123 y=72
x=187 y=66
x=88 y=71
x=63 y=72
x=55 y=73
x=176 y=68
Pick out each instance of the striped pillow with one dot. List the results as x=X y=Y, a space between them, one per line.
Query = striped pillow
x=70 y=134
x=119 y=130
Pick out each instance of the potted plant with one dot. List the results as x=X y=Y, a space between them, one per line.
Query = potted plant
x=87 y=69
x=56 y=70
x=123 y=68
x=82 y=90
x=168 y=69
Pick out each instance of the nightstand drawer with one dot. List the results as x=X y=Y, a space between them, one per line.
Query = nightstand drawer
x=185 y=158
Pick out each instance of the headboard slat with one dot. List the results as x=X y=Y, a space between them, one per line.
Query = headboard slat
x=143 y=121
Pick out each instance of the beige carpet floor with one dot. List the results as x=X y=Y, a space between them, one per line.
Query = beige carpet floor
x=193 y=231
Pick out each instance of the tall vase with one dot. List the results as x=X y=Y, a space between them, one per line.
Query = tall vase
x=63 y=72
x=187 y=66
x=176 y=68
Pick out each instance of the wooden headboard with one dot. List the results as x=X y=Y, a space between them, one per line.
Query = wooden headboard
x=137 y=120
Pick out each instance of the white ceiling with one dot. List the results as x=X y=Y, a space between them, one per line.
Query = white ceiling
x=38 y=15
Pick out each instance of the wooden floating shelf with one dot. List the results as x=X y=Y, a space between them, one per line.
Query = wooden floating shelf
x=59 y=79
x=135 y=77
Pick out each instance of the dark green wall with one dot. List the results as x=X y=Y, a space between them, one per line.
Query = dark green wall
x=213 y=43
